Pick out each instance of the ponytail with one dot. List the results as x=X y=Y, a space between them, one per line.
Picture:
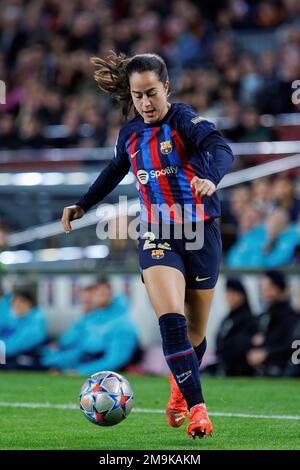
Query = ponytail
x=111 y=77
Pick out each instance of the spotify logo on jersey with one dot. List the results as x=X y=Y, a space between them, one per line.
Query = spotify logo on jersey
x=143 y=175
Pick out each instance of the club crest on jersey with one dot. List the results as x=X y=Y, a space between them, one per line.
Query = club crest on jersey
x=166 y=147
x=157 y=254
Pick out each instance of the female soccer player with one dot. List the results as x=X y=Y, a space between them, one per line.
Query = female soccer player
x=178 y=159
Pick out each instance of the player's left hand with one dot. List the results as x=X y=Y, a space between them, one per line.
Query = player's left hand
x=203 y=187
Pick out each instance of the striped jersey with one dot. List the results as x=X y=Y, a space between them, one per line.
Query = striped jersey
x=164 y=157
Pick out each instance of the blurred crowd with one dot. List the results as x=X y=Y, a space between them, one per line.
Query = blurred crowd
x=261 y=224
x=259 y=345
x=260 y=227
x=51 y=97
x=103 y=338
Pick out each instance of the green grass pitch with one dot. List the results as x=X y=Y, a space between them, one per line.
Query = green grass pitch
x=47 y=428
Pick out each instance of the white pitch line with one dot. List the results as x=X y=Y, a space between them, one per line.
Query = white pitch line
x=72 y=406
x=69 y=406
x=244 y=415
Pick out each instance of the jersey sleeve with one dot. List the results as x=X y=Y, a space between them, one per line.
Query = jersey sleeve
x=204 y=136
x=193 y=126
x=222 y=157
x=108 y=179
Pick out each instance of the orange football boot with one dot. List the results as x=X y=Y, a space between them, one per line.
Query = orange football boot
x=176 y=410
x=200 y=424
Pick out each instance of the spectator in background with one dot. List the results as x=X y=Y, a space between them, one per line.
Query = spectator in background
x=284 y=196
x=271 y=345
x=113 y=343
x=247 y=250
x=95 y=121
x=104 y=338
x=268 y=244
x=31 y=133
x=236 y=330
x=281 y=240
x=4 y=234
x=52 y=108
x=253 y=130
x=66 y=349
x=296 y=257
x=9 y=139
x=251 y=80
x=71 y=338
x=44 y=51
x=250 y=219
x=27 y=333
x=240 y=200
x=262 y=196
x=7 y=320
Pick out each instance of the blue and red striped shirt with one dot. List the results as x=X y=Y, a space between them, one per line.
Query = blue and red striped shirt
x=165 y=156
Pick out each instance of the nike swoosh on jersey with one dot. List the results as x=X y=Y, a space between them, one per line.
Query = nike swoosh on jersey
x=134 y=154
x=199 y=279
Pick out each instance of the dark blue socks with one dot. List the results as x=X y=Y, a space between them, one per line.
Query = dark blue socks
x=200 y=350
x=181 y=357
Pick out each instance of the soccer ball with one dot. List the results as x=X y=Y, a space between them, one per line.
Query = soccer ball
x=106 y=398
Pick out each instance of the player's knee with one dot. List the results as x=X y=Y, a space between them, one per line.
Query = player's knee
x=169 y=306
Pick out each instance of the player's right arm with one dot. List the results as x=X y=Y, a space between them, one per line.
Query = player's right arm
x=108 y=179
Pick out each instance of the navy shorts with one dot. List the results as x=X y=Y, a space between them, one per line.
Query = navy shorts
x=200 y=267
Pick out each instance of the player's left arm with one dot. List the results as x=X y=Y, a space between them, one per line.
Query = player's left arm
x=205 y=137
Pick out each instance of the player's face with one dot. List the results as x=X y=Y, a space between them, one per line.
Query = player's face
x=149 y=96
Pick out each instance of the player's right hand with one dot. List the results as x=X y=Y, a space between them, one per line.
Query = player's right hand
x=71 y=213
